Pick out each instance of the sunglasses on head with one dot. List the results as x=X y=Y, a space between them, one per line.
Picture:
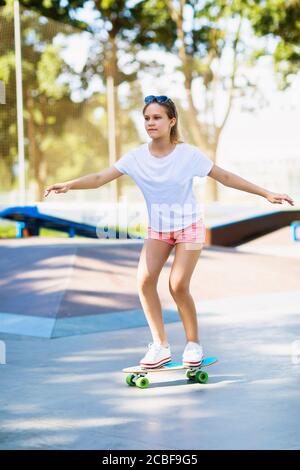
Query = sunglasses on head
x=159 y=99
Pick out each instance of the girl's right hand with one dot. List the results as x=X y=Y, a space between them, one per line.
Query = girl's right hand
x=57 y=188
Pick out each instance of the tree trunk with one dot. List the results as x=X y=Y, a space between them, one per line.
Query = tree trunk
x=198 y=135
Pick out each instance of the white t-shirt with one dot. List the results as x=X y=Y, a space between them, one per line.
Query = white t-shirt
x=167 y=183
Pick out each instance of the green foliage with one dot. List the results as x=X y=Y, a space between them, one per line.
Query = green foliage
x=7 y=231
x=48 y=69
x=58 y=10
x=7 y=66
x=63 y=138
x=281 y=20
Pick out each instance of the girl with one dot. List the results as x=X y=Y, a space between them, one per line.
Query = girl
x=164 y=171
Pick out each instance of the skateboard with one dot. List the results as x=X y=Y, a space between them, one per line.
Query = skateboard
x=138 y=375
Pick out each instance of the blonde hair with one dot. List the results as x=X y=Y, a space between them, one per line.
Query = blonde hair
x=171 y=113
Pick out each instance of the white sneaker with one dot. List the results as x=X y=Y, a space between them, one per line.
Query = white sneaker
x=192 y=354
x=156 y=356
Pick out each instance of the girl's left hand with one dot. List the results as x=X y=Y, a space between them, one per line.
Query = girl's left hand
x=276 y=198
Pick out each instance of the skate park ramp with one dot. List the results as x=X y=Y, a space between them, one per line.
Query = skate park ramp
x=62 y=287
x=53 y=287
x=30 y=220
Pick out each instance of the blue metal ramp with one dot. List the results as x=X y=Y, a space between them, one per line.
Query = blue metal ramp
x=30 y=220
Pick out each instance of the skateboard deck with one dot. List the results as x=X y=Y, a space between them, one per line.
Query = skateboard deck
x=137 y=374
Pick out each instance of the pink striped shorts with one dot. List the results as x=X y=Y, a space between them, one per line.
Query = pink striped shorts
x=194 y=233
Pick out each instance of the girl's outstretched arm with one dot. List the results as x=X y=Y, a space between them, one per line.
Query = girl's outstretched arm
x=234 y=181
x=92 y=181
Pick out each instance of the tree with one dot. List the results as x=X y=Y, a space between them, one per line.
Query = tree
x=114 y=19
x=42 y=89
x=49 y=111
x=202 y=43
x=8 y=117
x=281 y=20
x=214 y=29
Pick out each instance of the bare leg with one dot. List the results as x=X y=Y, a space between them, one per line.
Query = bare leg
x=153 y=256
x=179 y=284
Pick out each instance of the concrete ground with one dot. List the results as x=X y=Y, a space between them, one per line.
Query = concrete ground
x=68 y=392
